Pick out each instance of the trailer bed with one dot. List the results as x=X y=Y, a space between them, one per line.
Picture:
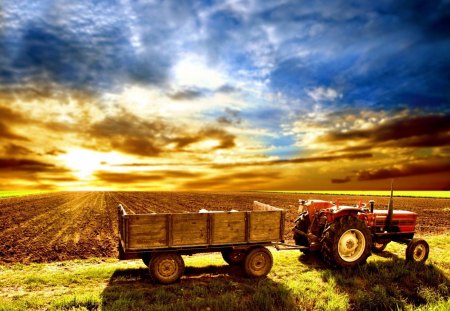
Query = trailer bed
x=156 y=232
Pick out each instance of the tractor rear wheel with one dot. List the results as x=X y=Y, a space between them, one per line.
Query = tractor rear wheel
x=258 y=262
x=417 y=250
x=233 y=257
x=378 y=247
x=346 y=242
x=303 y=224
x=166 y=268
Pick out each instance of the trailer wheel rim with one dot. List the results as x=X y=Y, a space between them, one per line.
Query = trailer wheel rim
x=259 y=263
x=351 y=245
x=167 y=268
x=419 y=252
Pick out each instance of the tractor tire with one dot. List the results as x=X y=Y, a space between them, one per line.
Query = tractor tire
x=233 y=257
x=303 y=224
x=146 y=258
x=166 y=268
x=258 y=262
x=379 y=247
x=417 y=250
x=346 y=242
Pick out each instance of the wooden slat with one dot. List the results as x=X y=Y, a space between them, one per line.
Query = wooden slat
x=228 y=228
x=190 y=229
x=265 y=226
x=147 y=231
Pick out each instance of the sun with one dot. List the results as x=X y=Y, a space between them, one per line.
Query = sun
x=84 y=163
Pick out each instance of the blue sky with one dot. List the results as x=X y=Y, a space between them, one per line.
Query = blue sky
x=226 y=82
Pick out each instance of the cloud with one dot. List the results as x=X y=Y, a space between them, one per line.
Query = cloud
x=420 y=131
x=230 y=117
x=404 y=170
x=298 y=160
x=131 y=134
x=341 y=181
x=142 y=177
x=16 y=150
x=187 y=94
x=28 y=165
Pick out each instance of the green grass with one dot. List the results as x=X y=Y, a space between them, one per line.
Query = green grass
x=19 y=193
x=398 y=193
x=296 y=282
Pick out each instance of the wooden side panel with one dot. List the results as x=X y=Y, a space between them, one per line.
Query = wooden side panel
x=227 y=228
x=147 y=231
x=189 y=229
x=265 y=226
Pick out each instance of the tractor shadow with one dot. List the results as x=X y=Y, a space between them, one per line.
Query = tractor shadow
x=213 y=287
x=386 y=282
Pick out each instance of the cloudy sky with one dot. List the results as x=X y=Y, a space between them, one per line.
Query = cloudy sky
x=224 y=95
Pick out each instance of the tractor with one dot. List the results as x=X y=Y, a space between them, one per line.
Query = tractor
x=347 y=235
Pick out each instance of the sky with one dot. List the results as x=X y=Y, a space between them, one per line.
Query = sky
x=224 y=95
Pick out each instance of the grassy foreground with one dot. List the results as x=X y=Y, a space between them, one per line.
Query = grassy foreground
x=382 y=193
x=296 y=282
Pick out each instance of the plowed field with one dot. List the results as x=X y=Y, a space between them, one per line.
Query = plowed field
x=69 y=225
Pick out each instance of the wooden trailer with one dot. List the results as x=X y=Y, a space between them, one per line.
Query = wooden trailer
x=241 y=236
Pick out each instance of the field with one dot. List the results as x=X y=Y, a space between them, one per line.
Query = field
x=398 y=193
x=51 y=228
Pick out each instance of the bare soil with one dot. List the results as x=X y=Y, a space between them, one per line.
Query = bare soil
x=78 y=225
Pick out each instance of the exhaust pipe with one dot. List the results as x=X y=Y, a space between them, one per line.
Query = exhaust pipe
x=390 y=210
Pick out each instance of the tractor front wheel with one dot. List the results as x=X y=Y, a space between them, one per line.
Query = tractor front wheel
x=417 y=250
x=346 y=242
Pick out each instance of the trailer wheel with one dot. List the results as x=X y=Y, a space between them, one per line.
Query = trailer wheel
x=146 y=258
x=417 y=250
x=166 y=268
x=303 y=224
x=378 y=247
x=346 y=242
x=258 y=262
x=233 y=256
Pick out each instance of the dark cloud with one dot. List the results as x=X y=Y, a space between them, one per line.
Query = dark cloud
x=16 y=150
x=28 y=165
x=230 y=116
x=341 y=181
x=142 y=177
x=55 y=152
x=298 y=160
x=131 y=134
x=405 y=170
x=187 y=94
x=6 y=132
x=233 y=181
x=422 y=131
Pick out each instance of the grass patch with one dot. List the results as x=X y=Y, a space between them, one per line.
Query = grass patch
x=397 y=193
x=296 y=282
x=20 y=193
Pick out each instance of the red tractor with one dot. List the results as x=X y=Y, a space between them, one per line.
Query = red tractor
x=346 y=235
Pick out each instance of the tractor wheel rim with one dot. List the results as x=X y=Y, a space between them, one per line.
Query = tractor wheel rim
x=351 y=245
x=419 y=252
x=167 y=268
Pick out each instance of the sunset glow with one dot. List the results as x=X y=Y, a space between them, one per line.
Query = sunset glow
x=226 y=95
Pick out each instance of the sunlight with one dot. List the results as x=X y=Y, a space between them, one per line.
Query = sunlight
x=85 y=162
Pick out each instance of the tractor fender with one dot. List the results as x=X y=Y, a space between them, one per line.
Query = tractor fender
x=344 y=211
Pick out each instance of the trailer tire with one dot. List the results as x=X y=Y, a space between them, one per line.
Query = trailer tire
x=379 y=247
x=303 y=224
x=233 y=257
x=346 y=242
x=417 y=250
x=146 y=257
x=166 y=268
x=258 y=262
